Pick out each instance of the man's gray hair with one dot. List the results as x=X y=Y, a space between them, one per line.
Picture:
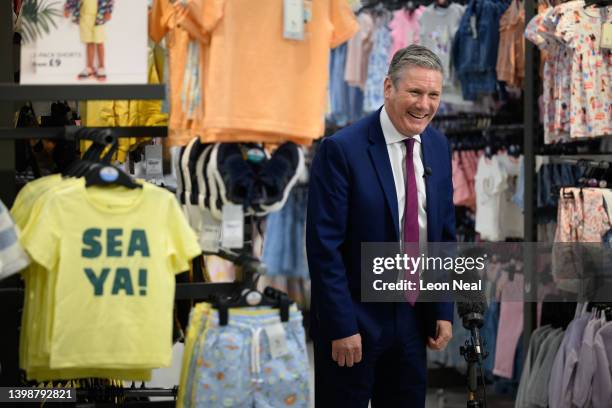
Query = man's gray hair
x=415 y=56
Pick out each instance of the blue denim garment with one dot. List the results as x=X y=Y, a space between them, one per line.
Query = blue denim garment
x=338 y=88
x=284 y=252
x=474 y=54
x=355 y=103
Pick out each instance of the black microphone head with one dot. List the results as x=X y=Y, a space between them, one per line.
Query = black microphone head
x=465 y=308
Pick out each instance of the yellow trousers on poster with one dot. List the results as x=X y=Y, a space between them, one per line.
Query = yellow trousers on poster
x=90 y=32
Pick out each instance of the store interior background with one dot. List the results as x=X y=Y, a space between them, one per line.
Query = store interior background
x=501 y=133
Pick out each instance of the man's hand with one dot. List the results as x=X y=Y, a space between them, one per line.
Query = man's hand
x=107 y=16
x=444 y=333
x=347 y=351
x=66 y=13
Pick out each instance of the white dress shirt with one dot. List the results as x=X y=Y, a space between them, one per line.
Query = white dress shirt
x=397 y=155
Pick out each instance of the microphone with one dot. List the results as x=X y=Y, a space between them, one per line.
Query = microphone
x=471 y=311
x=428 y=171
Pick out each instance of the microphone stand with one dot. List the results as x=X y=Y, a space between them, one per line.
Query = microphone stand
x=474 y=354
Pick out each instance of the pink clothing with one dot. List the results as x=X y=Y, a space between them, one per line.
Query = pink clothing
x=404 y=29
x=358 y=52
x=461 y=189
x=510 y=323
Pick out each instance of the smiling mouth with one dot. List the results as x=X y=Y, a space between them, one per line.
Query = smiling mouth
x=416 y=116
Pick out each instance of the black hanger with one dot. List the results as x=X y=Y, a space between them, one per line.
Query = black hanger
x=252 y=298
x=100 y=174
x=597 y=3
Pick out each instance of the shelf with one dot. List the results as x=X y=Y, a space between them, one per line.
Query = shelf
x=59 y=132
x=16 y=92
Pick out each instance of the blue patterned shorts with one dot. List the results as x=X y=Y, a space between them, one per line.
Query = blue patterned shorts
x=254 y=361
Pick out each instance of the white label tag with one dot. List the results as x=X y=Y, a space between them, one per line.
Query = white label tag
x=606 y=36
x=210 y=232
x=293 y=19
x=277 y=339
x=153 y=161
x=233 y=226
x=307 y=11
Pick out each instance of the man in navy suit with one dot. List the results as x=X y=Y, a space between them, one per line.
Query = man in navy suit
x=386 y=178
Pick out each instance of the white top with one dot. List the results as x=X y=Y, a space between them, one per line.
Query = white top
x=397 y=155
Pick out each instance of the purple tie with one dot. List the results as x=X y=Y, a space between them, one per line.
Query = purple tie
x=411 y=218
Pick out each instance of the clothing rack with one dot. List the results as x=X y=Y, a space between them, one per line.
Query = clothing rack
x=63 y=133
x=532 y=147
x=602 y=164
x=11 y=96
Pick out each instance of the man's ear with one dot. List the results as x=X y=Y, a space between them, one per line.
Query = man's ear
x=388 y=85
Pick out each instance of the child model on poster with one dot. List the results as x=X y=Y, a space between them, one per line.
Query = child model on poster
x=91 y=15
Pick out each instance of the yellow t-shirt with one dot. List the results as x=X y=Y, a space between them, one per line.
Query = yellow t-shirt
x=38 y=306
x=259 y=86
x=114 y=252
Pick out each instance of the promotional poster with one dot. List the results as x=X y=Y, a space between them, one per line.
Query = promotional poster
x=84 y=42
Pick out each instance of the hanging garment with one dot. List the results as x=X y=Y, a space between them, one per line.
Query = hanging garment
x=175 y=25
x=112 y=280
x=277 y=93
x=437 y=31
x=510 y=66
x=490 y=185
x=535 y=342
x=474 y=52
x=284 y=251
x=263 y=359
x=12 y=257
x=373 y=97
x=560 y=386
x=358 y=52
x=405 y=28
x=539 y=380
x=602 y=377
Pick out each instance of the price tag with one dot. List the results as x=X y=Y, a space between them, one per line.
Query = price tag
x=293 y=19
x=210 y=232
x=232 y=234
x=307 y=11
x=277 y=338
x=153 y=161
x=606 y=36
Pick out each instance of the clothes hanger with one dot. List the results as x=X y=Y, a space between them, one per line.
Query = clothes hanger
x=250 y=297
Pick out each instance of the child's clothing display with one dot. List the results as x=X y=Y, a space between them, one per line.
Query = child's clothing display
x=102 y=281
x=255 y=360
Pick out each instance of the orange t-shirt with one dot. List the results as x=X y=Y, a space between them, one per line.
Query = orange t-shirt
x=259 y=86
x=165 y=21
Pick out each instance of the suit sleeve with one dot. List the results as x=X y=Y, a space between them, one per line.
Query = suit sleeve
x=325 y=233
x=445 y=310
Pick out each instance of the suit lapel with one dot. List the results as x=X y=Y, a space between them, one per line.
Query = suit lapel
x=382 y=164
x=430 y=193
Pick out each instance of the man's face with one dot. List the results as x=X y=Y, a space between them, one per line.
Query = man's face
x=414 y=102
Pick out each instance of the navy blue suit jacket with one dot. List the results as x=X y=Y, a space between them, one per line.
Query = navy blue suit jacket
x=352 y=200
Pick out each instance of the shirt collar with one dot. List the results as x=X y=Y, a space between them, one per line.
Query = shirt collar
x=391 y=134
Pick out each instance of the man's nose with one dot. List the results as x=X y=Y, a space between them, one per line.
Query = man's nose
x=421 y=102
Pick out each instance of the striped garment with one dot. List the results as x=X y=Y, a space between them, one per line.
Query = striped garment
x=12 y=256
